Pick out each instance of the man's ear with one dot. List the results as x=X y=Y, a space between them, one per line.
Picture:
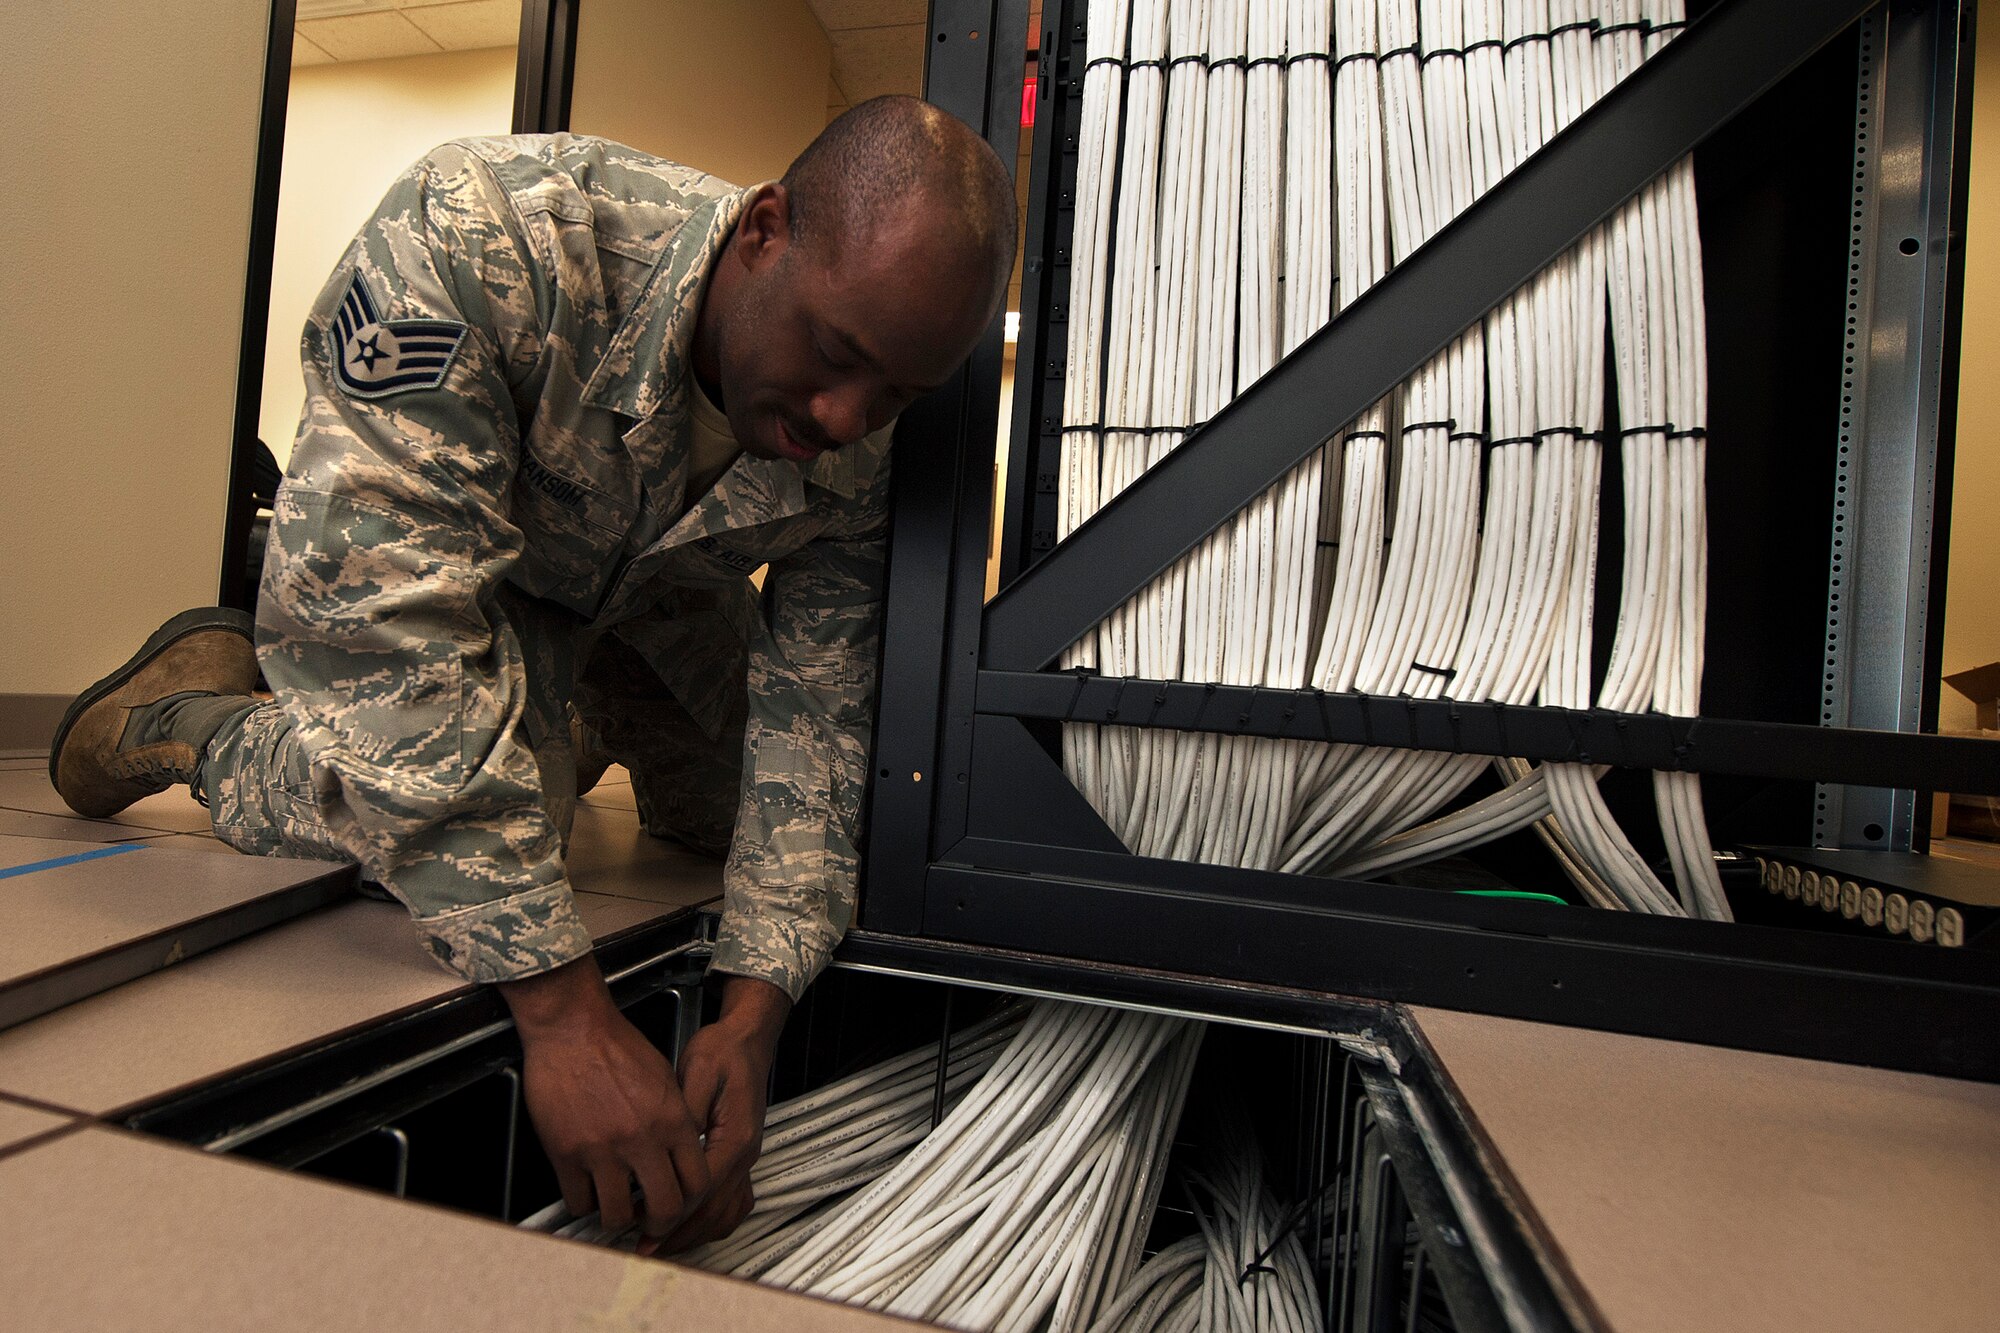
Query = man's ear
x=764 y=228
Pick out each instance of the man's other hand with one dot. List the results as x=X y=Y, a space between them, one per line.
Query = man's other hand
x=725 y=1076
x=605 y=1102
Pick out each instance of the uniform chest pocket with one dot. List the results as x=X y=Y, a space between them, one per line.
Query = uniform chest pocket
x=572 y=534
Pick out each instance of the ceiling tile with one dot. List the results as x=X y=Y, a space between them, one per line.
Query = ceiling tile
x=868 y=62
x=305 y=53
x=367 y=37
x=470 y=26
x=839 y=15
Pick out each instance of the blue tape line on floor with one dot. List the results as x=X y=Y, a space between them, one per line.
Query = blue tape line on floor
x=94 y=854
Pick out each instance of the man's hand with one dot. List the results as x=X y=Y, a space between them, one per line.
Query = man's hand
x=725 y=1074
x=605 y=1102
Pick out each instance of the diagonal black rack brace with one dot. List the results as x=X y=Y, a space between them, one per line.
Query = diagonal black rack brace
x=1699 y=82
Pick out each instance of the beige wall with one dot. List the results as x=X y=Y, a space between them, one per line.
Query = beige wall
x=131 y=148
x=350 y=129
x=1972 y=589
x=735 y=89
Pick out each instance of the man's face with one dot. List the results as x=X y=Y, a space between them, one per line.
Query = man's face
x=820 y=347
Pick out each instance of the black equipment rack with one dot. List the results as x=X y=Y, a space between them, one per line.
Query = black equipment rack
x=977 y=838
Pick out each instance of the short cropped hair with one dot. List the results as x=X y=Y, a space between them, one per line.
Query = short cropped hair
x=886 y=154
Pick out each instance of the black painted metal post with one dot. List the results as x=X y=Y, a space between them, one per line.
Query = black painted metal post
x=943 y=466
x=235 y=588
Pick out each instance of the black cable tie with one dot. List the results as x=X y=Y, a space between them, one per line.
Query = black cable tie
x=1577 y=753
x=1451 y=715
x=1443 y=673
x=1300 y=57
x=1500 y=725
x=1255 y=61
x=1327 y=541
x=1691 y=433
x=1468 y=435
x=1429 y=56
x=1352 y=56
x=1409 y=50
x=1159 y=63
x=1547 y=431
x=1201 y=59
x=1243 y=718
x=1159 y=702
x=1494 y=42
x=1101 y=60
x=1367 y=720
x=1325 y=721
x=1237 y=61
x=1589 y=25
x=1117 y=699
x=1630 y=431
x=1513 y=439
x=1076 y=695
x=1207 y=694
x=1254 y=1270
x=1668 y=26
x=1367 y=435
x=1621 y=724
x=1523 y=40
x=1446 y=424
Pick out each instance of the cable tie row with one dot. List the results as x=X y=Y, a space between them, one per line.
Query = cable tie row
x=1376 y=56
x=1245 y=63
x=1596 y=28
x=1667 y=429
x=1644 y=27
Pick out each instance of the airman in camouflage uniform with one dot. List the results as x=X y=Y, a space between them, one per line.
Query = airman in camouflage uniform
x=488 y=524
x=471 y=538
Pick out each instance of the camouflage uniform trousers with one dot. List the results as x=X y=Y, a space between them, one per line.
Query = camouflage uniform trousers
x=264 y=798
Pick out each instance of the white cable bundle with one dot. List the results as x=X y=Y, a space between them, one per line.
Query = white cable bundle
x=1245 y=1269
x=829 y=1141
x=1428 y=591
x=1216 y=603
x=1226 y=820
x=1162 y=609
x=1025 y=1207
x=1027 y=1203
x=1090 y=248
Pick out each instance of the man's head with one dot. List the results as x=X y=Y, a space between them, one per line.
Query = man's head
x=859 y=281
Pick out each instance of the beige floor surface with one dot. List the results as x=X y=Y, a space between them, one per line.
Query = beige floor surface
x=295 y=984
x=1701 y=1190
x=20 y=1124
x=108 y=1230
x=62 y=914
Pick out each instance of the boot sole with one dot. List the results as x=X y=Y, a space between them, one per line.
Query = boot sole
x=187 y=622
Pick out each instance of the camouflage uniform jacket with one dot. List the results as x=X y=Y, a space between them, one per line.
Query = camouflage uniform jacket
x=489 y=472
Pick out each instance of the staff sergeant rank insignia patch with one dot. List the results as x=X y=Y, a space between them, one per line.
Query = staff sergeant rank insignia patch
x=374 y=357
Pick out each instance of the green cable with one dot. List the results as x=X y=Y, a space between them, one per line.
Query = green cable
x=1513 y=893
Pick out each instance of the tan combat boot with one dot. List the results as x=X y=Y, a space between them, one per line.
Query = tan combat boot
x=114 y=746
